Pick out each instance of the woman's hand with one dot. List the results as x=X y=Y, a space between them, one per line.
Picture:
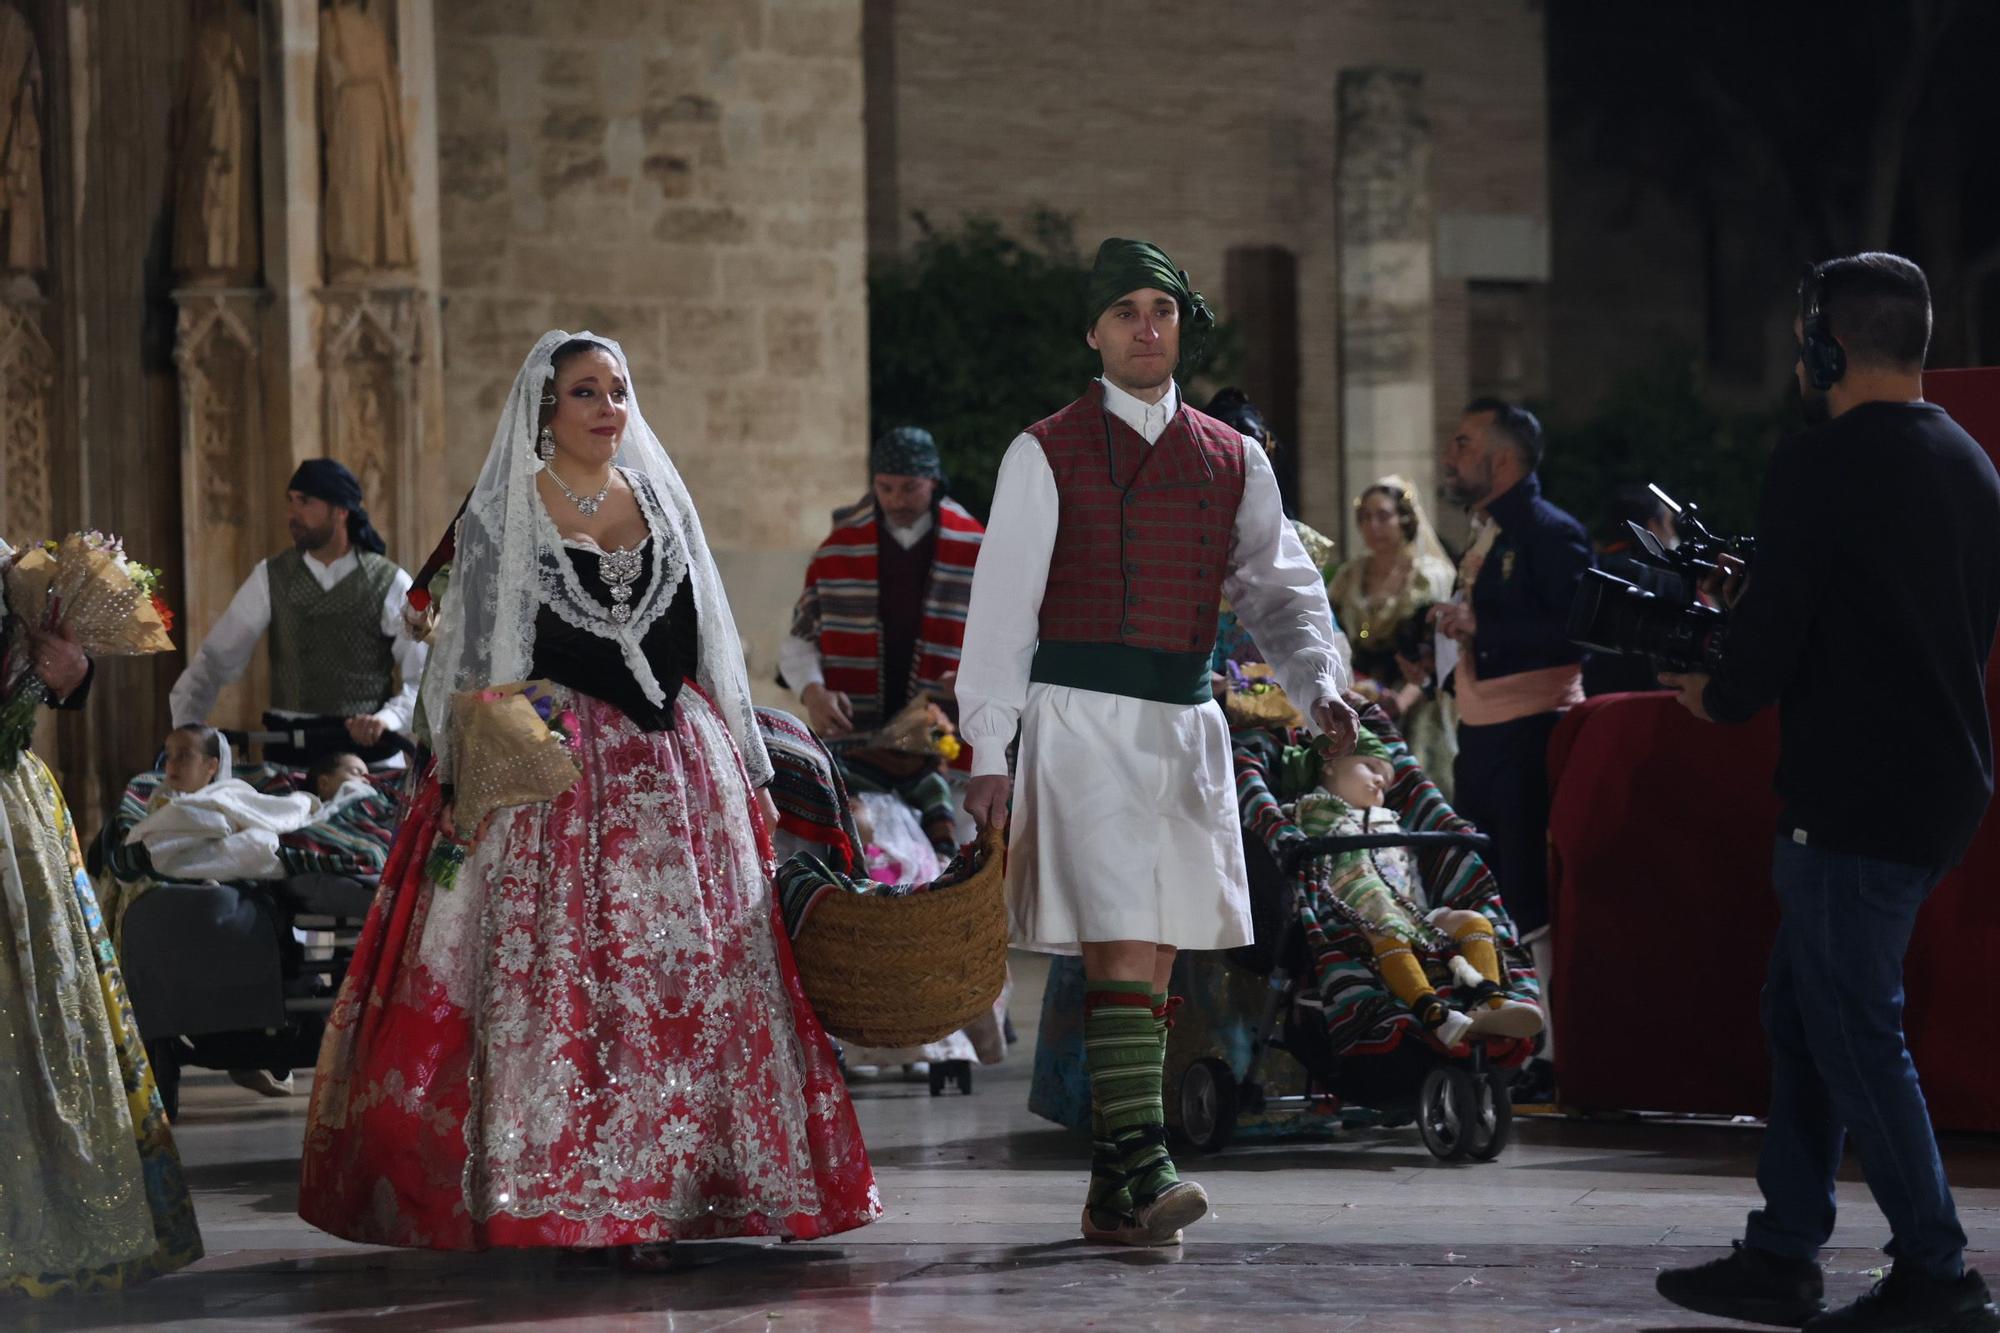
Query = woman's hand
x=59 y=663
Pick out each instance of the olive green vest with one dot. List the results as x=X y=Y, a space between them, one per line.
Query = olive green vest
x=329 y=655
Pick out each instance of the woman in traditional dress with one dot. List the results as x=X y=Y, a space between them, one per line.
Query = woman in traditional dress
x=591 y=1033
x=1380 y=598
x=91 y=1192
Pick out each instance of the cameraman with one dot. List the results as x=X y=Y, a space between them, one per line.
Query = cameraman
x=1853 y=862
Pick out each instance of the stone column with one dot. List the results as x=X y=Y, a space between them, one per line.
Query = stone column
x=1382 y=203
x=226 y=482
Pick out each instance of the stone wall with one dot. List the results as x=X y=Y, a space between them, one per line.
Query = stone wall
x=688 y=178
x=1211 y=128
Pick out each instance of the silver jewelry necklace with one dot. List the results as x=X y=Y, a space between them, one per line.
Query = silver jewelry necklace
x=586 y=504
x=620 y=570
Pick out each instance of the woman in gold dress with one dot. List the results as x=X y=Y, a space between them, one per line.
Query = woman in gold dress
x=1380 y=598
x=91 y=1192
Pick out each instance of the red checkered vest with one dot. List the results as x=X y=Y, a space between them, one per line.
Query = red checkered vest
x=1142 y=541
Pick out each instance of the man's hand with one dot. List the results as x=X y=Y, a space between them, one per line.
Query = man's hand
x=830 y=712
x=768 y=806
x=1727 y=585
x=1455 y=620
x=366 y=730
x=59 y=663
x=986 y=800
x=1691 y=684
x=1337 y=721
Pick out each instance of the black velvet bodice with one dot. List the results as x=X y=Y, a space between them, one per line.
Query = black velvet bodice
x=593 y=665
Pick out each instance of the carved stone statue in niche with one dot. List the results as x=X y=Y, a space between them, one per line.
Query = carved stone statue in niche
x=23 y=247
x=367 y=199
x=217 y=239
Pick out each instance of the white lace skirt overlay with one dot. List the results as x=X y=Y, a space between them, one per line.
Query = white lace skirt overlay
x=636 y=1052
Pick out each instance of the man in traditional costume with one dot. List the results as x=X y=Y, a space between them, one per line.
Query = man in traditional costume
x=1119 y=524
x=333 y=606
x=882 y=616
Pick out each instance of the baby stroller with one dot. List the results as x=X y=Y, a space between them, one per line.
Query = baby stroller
x=1364 y=1055
x=1294 y=1034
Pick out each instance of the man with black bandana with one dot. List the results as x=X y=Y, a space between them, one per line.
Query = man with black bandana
x=1119 y=524
x=333 y=609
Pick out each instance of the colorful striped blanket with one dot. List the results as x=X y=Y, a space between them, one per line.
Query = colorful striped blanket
x=806 y=787
x=839 y=608
x=1362 y=1017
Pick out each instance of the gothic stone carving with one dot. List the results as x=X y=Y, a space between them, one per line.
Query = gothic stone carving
x=371 y=344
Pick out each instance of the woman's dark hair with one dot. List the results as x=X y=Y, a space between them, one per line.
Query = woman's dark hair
x=1406 y=508
x=208 y=738
x=1232 y=407
x=562 y=356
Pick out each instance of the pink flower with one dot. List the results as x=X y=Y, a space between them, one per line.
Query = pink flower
x=490 y=696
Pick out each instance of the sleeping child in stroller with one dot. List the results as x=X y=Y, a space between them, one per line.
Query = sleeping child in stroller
x=1381 y=893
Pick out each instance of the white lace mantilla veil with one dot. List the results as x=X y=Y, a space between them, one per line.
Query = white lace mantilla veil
x=1427 y=544
x=509 y=564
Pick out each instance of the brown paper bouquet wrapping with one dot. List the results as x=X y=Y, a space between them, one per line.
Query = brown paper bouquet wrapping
x=88 y=587
x=505 y=752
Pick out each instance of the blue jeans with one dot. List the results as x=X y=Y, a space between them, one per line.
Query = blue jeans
x=1833 y=1012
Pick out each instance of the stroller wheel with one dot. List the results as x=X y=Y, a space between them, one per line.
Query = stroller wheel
x=1493 y=1116
x=1447 y=1111
x=1208 y=1104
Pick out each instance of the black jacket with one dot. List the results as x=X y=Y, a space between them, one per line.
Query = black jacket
x=1524 y=590
x=1868 y=619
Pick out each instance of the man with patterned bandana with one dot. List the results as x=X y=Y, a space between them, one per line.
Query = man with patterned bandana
x=882 y=616
x=1118 y=526
x=333 y=609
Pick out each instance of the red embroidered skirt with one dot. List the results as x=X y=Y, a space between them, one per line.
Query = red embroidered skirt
x=596 y=1036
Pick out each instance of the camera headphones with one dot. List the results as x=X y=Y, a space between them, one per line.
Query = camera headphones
x=1824 y=359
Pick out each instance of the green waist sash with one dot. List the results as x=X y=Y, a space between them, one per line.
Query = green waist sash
x=1115 y=668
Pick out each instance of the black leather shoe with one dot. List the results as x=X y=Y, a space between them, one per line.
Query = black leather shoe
x=1750 y=1284
x=1910 y=1302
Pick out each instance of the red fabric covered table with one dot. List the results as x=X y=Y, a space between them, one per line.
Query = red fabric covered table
x=1660 y=833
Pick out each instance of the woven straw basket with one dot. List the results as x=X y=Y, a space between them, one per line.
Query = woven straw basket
x=907 y=971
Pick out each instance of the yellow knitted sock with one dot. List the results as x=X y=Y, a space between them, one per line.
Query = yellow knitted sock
x=1475 y=945
x=1402 y=973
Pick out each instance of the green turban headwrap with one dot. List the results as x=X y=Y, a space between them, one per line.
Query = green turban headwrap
x=1123 y=266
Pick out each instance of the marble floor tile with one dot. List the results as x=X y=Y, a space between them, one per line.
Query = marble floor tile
x=1566 y=1231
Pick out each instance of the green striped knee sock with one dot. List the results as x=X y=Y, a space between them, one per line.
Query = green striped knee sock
x=1123 y=1048
x=1108 y=1194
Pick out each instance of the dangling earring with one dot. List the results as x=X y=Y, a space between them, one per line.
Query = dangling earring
x=545 y=447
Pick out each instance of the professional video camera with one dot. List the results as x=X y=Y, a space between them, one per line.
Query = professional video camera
x=1611 y=615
